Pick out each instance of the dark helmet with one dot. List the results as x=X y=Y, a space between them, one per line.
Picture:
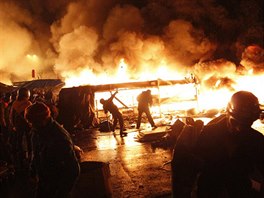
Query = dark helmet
x=37 y=112
x=23 y=93
x=244 y=107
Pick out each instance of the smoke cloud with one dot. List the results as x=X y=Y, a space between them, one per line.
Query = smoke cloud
x=56 y=37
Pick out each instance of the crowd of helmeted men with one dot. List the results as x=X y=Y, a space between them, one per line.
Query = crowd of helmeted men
x=33 y=141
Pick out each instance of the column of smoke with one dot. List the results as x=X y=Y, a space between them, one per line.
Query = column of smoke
x=201 y=36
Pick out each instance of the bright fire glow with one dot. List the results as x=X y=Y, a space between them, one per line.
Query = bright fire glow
x=33 y=57
x=122 y=74
x=252 y=83
x=180 y=100
x=218 y=98
x=171 y=98
x=122 y=71
x=211 y=99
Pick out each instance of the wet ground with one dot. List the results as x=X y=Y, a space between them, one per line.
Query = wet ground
x=136 y=170
x=131 y=168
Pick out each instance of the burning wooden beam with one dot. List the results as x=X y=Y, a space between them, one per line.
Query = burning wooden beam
x=135 y=85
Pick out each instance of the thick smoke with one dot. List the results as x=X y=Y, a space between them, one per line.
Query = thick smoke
x=68 y=35
x=253 y=58
x=23 y=43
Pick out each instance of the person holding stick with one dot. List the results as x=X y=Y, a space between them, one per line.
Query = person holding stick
x=109 y=106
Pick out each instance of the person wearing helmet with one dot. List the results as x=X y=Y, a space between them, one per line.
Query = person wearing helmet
x=54 y=164
x=108 y=105
x=20 y=129
x=228 y=159
x=242 y=110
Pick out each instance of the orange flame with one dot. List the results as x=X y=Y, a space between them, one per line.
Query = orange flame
x=180 y=97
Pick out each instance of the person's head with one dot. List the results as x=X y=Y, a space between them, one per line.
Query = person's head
x=242 y=110
x=102 y=101
x=38 y=114
x=23 y=93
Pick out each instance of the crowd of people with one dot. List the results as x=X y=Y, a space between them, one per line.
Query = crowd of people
x=33 y=142
x=15 y=130
x=224 y=158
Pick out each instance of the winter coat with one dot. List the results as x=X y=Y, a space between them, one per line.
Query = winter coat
x=219 y=163
x=232 y=162
x=54 y=160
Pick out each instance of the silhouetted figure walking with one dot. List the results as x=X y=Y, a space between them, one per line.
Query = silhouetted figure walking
x=144 y=102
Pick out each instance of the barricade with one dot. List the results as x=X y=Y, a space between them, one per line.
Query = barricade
x=94 y=180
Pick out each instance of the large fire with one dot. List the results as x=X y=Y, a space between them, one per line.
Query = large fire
x=178 y=98
x=100 y=42
x=122 y=74
x=214 y=97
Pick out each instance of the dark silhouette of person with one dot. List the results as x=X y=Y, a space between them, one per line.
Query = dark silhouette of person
x=54 y=166
x=226 y=159
x=108 y=105
x=5 y=135
x=20 y=129
x=144 y=102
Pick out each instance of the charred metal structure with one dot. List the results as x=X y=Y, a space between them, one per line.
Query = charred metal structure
x=77 y=105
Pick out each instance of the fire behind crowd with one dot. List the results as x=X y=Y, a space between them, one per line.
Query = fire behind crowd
x=192 y=55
